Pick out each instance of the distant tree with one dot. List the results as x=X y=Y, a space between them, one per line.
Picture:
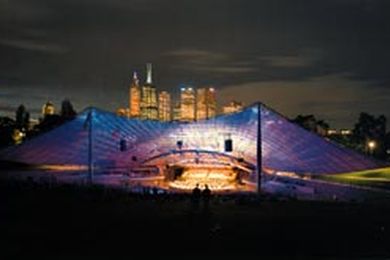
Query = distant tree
x=7 y=128
x=22 y=118
x=306 y=121
x=309 y=122
x=67 y=110
x=323 y=124
x=52 y=120
x=49 y=122
x=387 y=145
x=322 y=127
x=369 y=128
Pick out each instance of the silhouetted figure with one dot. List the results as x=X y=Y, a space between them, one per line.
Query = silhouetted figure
x=206 y=195
x=196 y=193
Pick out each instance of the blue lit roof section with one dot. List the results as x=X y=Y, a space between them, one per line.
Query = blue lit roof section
x=285 y=146
x=288 y=147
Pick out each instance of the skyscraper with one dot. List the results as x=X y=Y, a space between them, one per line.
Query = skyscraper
x=232 y=107
x=187 y=104
x=206 y=104
x=135 y=97
x=176 y=112
x=149 y=108
x=164 y=106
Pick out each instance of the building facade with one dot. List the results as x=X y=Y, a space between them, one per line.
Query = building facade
x=176 y=112
x=123 y=112
x=135 y=97
x=164 y=106
x=149 y=108
x=187 y=104
x=206 y=104
x=232 y=107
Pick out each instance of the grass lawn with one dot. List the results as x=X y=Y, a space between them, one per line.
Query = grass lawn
x=377 y=178
x=68 y=221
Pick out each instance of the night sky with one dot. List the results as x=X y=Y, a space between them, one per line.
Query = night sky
x=330 y=58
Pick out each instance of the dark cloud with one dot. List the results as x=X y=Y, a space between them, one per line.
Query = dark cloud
x=11 y=110
x=33 y=46
x=8 y=109
x=87 y=50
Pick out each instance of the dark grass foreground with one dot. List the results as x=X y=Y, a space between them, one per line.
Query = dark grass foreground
x=68 y=221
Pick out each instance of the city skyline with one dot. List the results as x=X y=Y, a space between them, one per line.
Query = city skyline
x=327 y=58
x=225 y=127
x=175 y=97
x=146 y=101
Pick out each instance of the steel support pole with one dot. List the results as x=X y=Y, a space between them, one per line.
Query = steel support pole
x=259 y=149
x=90 y=146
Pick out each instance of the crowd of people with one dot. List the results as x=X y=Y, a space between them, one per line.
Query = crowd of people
x=201 y=196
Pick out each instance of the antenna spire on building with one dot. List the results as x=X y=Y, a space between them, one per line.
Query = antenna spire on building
x=149 y=73
x=135 y=78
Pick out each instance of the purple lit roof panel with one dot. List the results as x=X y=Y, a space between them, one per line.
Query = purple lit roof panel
x=286 y=146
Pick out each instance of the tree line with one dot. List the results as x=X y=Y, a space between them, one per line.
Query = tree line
x=14 y=131
x=368 y=135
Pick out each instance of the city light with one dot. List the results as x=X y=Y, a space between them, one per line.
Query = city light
x=187 y=105
x=198 y=147
x=206 y=104
x=371 y=144
x=146 y=102
x=232 y=107
x=216 y=179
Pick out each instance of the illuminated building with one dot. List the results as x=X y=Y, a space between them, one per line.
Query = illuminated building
x=48 y=109
x=164 y=106
x=18 y=136
x=346 y=132
x=123 y=112
x=187 y=104
x=177 y=155
x=135 y=97
x=176 y=112
x=206 y=104
x=341 y=132
x=232 y=107
x=149 y=108
x=331 y=132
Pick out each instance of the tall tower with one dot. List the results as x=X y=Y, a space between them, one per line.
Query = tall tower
x=149 y=73
x=176 y=112
x=206 y=104
x=187 y=104
x=135 y=97
x=149 y=108
x=164 y=106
